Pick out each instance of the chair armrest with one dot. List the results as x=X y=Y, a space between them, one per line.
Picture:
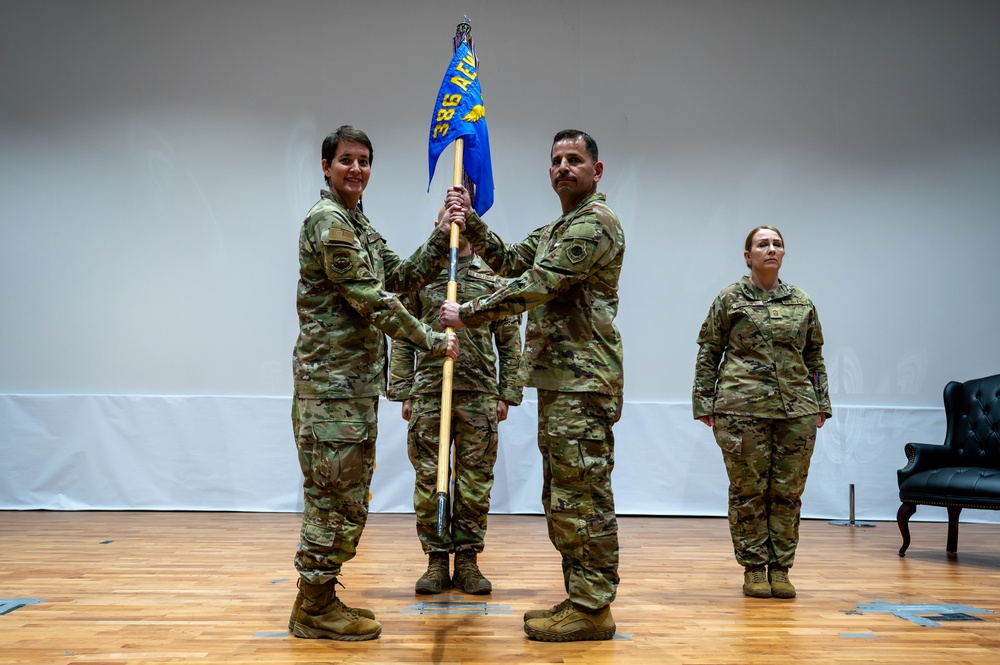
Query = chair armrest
x=924 y=457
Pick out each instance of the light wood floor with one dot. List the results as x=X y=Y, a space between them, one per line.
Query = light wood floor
x=127 y=588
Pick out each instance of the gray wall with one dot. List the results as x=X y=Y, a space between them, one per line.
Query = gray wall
x=157 y=160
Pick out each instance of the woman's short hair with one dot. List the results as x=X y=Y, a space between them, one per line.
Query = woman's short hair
x=346 y=133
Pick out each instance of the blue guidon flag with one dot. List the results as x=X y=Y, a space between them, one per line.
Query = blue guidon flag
x=460 y=113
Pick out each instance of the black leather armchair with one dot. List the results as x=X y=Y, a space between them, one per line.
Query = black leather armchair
x=965 y=471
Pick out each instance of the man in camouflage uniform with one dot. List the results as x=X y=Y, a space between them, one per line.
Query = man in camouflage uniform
x=567 y=279
x=339 y=367
x=760 y=383
x=479 y=403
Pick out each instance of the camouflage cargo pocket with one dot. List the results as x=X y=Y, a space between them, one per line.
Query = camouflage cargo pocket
x=602 y=525
x=729 y=442
x=321 y=529
x=339 y=461
x=602 y=532
x=575 y=445
x=423 y=432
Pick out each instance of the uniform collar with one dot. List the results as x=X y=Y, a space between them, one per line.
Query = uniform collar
x=754 y=292
x=596 y=196
x=355 y=215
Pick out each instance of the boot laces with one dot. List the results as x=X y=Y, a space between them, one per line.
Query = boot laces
x=563 y=609
x=758 y=576
x=566 y=604
x=338 y=604
x=468 y=566
x=437 y=569
x=344 y=609
x=470 y=569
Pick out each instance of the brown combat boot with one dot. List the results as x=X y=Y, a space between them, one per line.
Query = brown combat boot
x=755 y=582
x=436 y=576
x=780 y=586
x=322 y=615
x=362 y=612
x=572 y=623
x=467 y=576
x=545 y=614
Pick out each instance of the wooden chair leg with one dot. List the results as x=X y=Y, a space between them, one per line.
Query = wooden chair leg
x=903 y=515
x=953 y=513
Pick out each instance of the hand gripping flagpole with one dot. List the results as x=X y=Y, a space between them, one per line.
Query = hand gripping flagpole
x=447 y=379
x=444 y=433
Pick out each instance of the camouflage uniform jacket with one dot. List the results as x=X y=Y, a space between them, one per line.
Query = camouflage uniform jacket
x=414 y=373
x=761 y=355
x=344 y=308
x=566 y=275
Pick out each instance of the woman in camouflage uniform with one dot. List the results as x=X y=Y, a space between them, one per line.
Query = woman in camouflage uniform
x=761 y=385
x=346 y=306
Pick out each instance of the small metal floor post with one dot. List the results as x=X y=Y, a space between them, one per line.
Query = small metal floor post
x=851 y=522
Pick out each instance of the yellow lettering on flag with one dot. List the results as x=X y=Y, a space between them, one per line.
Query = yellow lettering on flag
x=440 y=129
x=451 y=100
x=470 y=71
x=461 y=82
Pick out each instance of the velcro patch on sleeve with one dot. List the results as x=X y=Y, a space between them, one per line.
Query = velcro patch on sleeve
x=342 y=261
x=334 y=236
x=587 y=231
x=579 y=249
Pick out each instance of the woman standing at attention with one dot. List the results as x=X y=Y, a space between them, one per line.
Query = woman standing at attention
x=761 y=385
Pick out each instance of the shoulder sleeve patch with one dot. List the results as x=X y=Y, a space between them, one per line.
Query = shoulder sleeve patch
x=587 y=231
x=578 y=249
x=335 y=236
x=340 y=249
x=342 y=262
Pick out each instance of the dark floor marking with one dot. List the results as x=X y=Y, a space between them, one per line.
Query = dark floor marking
x=924 y=615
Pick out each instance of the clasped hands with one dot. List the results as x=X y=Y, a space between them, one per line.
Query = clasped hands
x=458 y=204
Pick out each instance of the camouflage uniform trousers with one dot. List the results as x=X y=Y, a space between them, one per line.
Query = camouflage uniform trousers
x=767 y=461
x=336 y=445
x=474 y=440
x=577 y=447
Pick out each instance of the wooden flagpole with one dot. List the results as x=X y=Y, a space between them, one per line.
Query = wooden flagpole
x=447 y=379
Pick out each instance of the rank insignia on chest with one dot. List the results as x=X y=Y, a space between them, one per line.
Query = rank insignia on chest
x=775 y=313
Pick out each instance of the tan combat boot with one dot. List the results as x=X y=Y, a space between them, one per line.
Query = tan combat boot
x=363 y=612
x=467 y=576
x=322 y=615
x=545 y=614
x=572 y=623
x=755 y=582
x=780 y=586
x=436 y=576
